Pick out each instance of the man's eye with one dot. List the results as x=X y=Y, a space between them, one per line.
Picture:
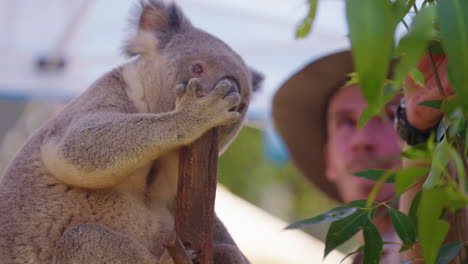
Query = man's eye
x=347 y=122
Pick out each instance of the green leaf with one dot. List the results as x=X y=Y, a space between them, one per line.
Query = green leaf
x=368 y=113
x=413 y=45
x=373 y=243
x=431 y=229
x=304 y=27
x=371 y=31
x=439 y=162
x=360 y=249
x=436 y=47
x=407 y=177
x=414 y=209
x=453 y=21
x=417 y=76
x=330 y=216
x=375 y=175
x=432 y=104
x=448 y=251
x=342 y=230
x=378 y=185
x=354 y=79
x=401 y=8
x=403 y=226
x=416 y=152
x=456 y=199
x=408 y=261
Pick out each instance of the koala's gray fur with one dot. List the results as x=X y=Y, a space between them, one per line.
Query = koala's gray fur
x=97 y=183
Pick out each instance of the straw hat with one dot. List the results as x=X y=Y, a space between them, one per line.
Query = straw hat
x=299 y=114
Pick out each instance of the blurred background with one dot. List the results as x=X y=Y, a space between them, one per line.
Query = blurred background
x=82 y=39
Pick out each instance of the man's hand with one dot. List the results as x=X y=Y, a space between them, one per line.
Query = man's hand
x=422 y=117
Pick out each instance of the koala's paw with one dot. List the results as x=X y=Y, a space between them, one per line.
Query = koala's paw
x=216 y=108
x=167 y=259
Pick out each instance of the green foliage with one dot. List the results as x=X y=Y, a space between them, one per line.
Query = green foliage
x=375 y=175
x=413 y=45
x=342 y=230
x=448 y=251
x=407 y=177
x=431 y=229
x=373 y=244
x=432 y=104
x=453 y=20
x=330 y=216
x=437 y=27
x=372 y=47
x=404 y=227
x=304 y=28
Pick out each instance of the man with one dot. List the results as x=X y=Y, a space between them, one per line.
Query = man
x=317 y=116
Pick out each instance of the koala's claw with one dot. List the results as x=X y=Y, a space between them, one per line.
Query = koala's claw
x=222 y=88
x=194 y=87
x=180 y=90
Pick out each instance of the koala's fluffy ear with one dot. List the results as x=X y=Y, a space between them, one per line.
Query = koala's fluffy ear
x=257 y=80
x=154 y=24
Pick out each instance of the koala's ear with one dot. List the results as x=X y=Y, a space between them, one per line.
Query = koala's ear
x=154 y=23
x=257 y=79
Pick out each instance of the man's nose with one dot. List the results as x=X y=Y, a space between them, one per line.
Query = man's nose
x=364 y=140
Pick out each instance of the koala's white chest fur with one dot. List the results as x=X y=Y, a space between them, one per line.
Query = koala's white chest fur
x=142 y=206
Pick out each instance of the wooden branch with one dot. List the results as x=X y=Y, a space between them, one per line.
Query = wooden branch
x=196 y=195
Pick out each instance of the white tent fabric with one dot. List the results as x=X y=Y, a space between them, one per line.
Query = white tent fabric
x=261 y=31
x=262 y=236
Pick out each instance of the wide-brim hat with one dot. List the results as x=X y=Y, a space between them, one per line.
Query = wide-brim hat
x=299 y=114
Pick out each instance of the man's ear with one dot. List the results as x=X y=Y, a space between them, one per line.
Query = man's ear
x=154 y=23
x=329 y=172
x=257 y=79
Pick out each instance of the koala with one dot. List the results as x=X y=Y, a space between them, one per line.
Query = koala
x=97 y=183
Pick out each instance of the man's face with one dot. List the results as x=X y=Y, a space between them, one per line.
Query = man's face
x=350 y=149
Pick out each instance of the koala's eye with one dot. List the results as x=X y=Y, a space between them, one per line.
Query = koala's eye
x=197 y=69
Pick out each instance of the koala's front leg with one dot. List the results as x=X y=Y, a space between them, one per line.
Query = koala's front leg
x=96 y=244
x=100 y=149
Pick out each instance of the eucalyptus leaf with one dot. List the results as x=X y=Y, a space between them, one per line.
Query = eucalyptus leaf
x=414 y=209
x=373 y=243
x=330 y=216
x=304 y=27
x=413 y=45
x=401 y=8
x=403 y=226
x=368 y=113
x=439 y=162
x=375 y=175
x=456 y=199
x=453 y=21
x=360 y=249
x=448 y=251
x=431 y=229
x=407 y=177
x=416 y=152
x=371 y=46
x=432 y=104
x=342 y=230
x=417 y=76
x=408 y=261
